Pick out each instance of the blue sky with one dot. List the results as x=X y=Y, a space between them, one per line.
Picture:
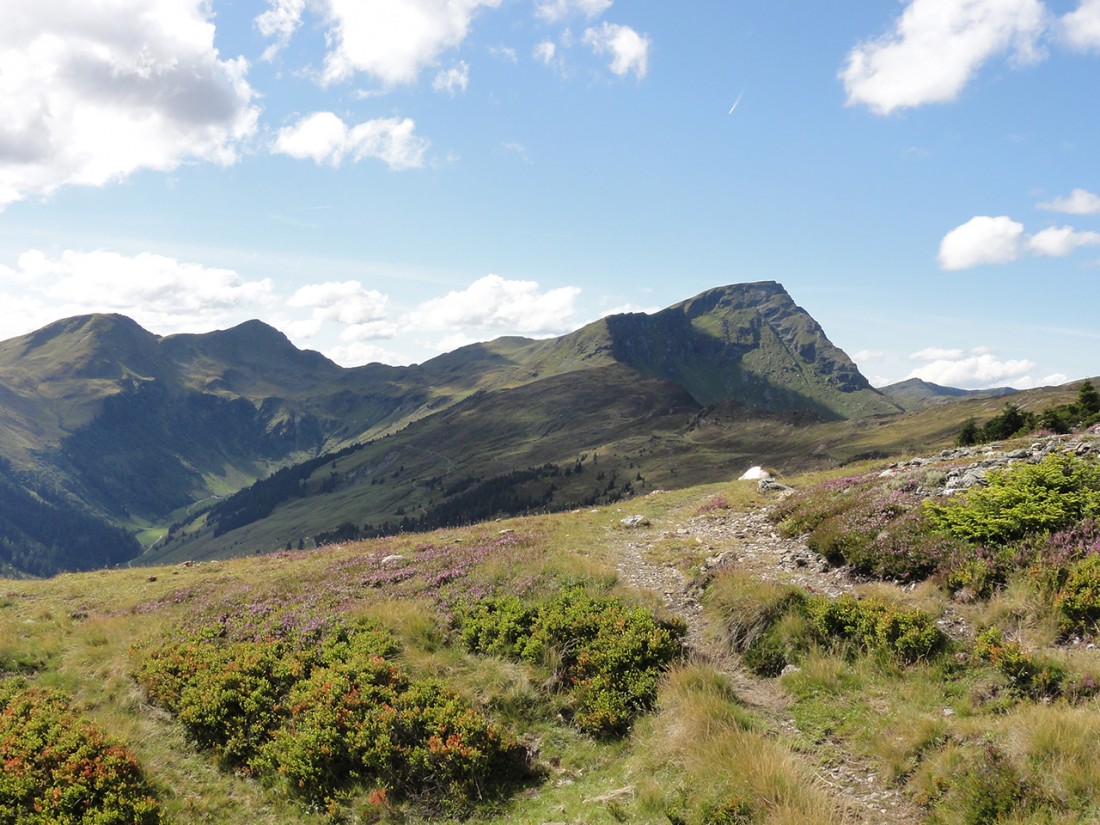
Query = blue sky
x=389 y=179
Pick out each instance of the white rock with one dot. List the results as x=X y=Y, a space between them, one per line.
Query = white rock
x=755 y=474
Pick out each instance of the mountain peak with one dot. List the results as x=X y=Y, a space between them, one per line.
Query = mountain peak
x=749 y=343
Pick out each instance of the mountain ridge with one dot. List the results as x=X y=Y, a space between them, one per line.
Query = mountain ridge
x=137 y=429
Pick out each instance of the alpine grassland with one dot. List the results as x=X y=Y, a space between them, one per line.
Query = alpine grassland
x=937 y=665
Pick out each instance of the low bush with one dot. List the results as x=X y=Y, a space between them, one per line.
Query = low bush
x=773 y=625
x=59 y=767
x=973 y=784
x=908 y=635
x=1029 y=675
x=606 y=656
x=1078 y=602
x=1023 y=500
x=326 y=717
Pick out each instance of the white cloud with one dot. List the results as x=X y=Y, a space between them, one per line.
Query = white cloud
x=357 y=353
x=554 y=10
x=393 y=40
x=345 y=302
x=1081 y=28
x=1059 y=241
x=935 y=354
x=163 y=294
x=986 y=240
x=505 y=53
x=982 y=240
x=629 y=50
x=545 y=51
x=453 y=80
x=977 y=369
x=325 y=138
x=91 y=93
x=495 y=305
x=1077 y=202
x=935 y=49
x=868 y=355
x=280 y=21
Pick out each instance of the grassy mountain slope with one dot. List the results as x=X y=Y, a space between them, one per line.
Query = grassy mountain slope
x=585 y=438
x=922 y=703
x=139 y=430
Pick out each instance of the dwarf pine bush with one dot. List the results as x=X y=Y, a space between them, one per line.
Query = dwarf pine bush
x=1026 y=499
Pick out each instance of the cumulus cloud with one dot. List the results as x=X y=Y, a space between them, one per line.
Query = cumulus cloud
x=324 y=138
x=345 y=302
x=1080 y=29
x=554 y=10
x=982 y=240
x=976 y=369
x=936 y=48
x=161 y=293
x=986 y=240
x=868 y=355
x=92 y=93
x=1077 y=202
x=493 y=304
x=394 y=40
x=453 y=80
x=629 y=50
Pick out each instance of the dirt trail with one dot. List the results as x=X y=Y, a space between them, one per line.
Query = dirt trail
x=748 y=541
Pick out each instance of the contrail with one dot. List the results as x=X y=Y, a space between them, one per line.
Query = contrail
x=734 y=106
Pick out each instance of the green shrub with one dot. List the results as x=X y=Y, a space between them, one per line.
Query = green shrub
x=1022 y=500
x=908 y=635
x=326 y=718
x=1078 y=602
x=605 y=655
x=59 y=767
x=1027 y=674
x=984 y=788
x=772 y=625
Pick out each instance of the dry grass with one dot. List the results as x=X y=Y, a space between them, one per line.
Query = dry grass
x=704 y=753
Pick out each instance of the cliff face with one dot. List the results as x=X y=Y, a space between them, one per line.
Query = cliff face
x=748 y=343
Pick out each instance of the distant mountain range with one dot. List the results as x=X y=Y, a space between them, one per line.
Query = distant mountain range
x=915 y=394
x=117 y=444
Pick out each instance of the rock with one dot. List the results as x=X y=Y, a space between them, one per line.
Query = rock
x=394 y=559
x=634 y=521
x=770 y=485
x=790 y=669
x=754 y=474
x=611 y=796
